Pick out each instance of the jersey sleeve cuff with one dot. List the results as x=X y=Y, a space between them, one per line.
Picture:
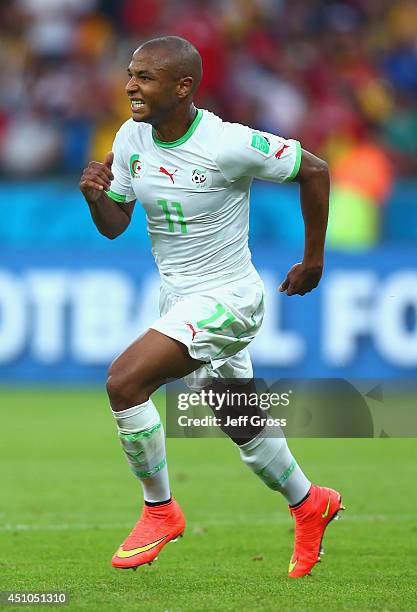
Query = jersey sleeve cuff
x=297 y=163
x=116 y=196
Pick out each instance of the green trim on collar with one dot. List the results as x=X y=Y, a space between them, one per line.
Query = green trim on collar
x=187 y=135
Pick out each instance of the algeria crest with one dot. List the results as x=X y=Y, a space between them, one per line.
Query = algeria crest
x=201 y=178
x=136 y=166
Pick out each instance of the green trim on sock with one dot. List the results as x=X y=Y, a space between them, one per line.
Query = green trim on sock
x=151 y=472
x=134 y=456
x=277 y=484
x=287 y=472
x=146 y=433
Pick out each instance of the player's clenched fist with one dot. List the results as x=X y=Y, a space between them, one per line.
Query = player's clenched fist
x=96 y=178
x=301 y=279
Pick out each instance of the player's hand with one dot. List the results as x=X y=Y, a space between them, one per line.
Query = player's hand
x=301 y=279
x=96 y=178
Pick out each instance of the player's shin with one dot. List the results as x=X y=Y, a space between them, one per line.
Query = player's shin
x=271 y=459
x=142 y=436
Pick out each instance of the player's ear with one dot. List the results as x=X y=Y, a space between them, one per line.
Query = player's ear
x=185 y=87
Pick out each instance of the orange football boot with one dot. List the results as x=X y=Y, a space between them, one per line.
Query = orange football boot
x=311 y=519
x=156 y=526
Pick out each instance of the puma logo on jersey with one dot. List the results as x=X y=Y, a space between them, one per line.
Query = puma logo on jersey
x=281 y=151
x=162 y=170
x=194 y=331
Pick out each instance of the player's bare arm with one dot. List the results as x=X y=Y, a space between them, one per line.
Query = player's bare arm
x=314 y=181
x=184 y=166
x=110 y=218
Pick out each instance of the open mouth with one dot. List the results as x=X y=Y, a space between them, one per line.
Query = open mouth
x=136 y=105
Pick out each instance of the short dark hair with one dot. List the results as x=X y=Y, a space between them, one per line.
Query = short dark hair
x=186 y=60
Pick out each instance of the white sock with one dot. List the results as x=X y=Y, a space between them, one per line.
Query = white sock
x=272 y=461
x=142 y=437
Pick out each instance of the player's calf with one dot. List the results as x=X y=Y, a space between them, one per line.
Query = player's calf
x=269 y=457
x=142 y=437
x=232 y=405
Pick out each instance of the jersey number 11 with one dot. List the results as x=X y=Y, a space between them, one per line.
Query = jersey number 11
x=176 y=206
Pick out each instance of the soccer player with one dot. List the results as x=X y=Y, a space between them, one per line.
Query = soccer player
x=192 y=173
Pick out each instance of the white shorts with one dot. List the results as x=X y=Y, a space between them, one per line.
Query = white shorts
x=216 y=327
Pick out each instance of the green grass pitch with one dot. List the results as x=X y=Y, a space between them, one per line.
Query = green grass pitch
x=68 y=500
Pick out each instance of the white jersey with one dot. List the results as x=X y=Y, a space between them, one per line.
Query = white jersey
x=195 y=192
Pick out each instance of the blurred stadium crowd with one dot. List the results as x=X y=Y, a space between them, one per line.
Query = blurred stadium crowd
x=339 y=76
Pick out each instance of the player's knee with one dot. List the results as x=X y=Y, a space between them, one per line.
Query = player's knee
x=114 y=388
x=124 y=392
